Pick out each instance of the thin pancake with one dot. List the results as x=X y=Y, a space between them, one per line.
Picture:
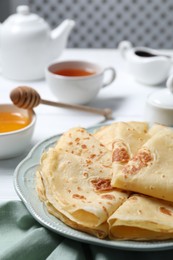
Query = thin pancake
x=80 y=191
x=100 y=231
x=119 y=130
x=142 y=218
x=156 y=128
x=150 y=171
x=79 y=142
x=128 y=139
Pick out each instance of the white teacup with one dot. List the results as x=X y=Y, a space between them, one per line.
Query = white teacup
x=77 y=81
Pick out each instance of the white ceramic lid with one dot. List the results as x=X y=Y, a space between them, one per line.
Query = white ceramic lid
x=161 y=98
x=23 y=18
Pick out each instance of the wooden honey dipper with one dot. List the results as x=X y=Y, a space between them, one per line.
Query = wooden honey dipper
x=28 y=98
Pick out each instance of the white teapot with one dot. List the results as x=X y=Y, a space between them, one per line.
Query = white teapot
x=27 y=45
x=148 y=66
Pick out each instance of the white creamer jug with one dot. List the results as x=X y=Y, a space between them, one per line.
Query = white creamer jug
x=148 y=66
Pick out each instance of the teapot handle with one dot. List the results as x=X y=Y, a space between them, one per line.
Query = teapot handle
x=123 y=47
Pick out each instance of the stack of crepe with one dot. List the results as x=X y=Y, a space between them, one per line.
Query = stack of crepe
x=116 y=182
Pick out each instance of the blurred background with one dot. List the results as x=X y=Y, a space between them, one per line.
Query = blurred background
x=104 y=23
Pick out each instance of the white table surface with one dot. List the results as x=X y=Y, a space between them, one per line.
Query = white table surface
x=124 y=96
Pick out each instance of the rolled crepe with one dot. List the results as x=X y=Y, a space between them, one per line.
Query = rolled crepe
x=150 y=171
x=142 y=218
x=80 y=192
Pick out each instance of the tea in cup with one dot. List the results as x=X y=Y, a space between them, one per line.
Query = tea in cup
x=77 y=81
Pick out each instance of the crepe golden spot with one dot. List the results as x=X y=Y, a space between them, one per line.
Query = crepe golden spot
x=166 y=211
x=80 y=130
x=139 y=212
x=120 y=152
x=78 y=196
x=85 y=174
x=88 y=162
x=120 y=155
x=102 y=184
x=141 y=160
x=108 y=197
x=144 y=156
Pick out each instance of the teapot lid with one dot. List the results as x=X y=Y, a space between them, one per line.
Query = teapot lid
x=23 y=17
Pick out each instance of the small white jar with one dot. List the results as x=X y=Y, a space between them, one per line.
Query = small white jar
x=159 y=107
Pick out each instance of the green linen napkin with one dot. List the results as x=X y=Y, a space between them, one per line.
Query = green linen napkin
x=23 y=238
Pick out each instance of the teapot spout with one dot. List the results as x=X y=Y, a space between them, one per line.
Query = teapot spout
x=60 y=35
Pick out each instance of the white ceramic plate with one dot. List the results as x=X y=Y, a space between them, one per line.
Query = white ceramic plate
x=24 y=182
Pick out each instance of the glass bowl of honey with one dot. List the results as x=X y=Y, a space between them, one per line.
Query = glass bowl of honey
x=16 y=130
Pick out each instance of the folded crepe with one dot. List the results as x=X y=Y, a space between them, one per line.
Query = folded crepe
x=155 y=129
x=150 y=171
x=75 y=181
x=79 y=142
x=128 y=138
x=125 y=131
x=142 y=218
x=77 y=192
x=101 y=231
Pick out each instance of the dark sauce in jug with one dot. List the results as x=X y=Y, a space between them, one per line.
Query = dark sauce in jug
x=144 y=54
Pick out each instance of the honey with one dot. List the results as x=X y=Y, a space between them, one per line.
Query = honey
x=12 y=121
